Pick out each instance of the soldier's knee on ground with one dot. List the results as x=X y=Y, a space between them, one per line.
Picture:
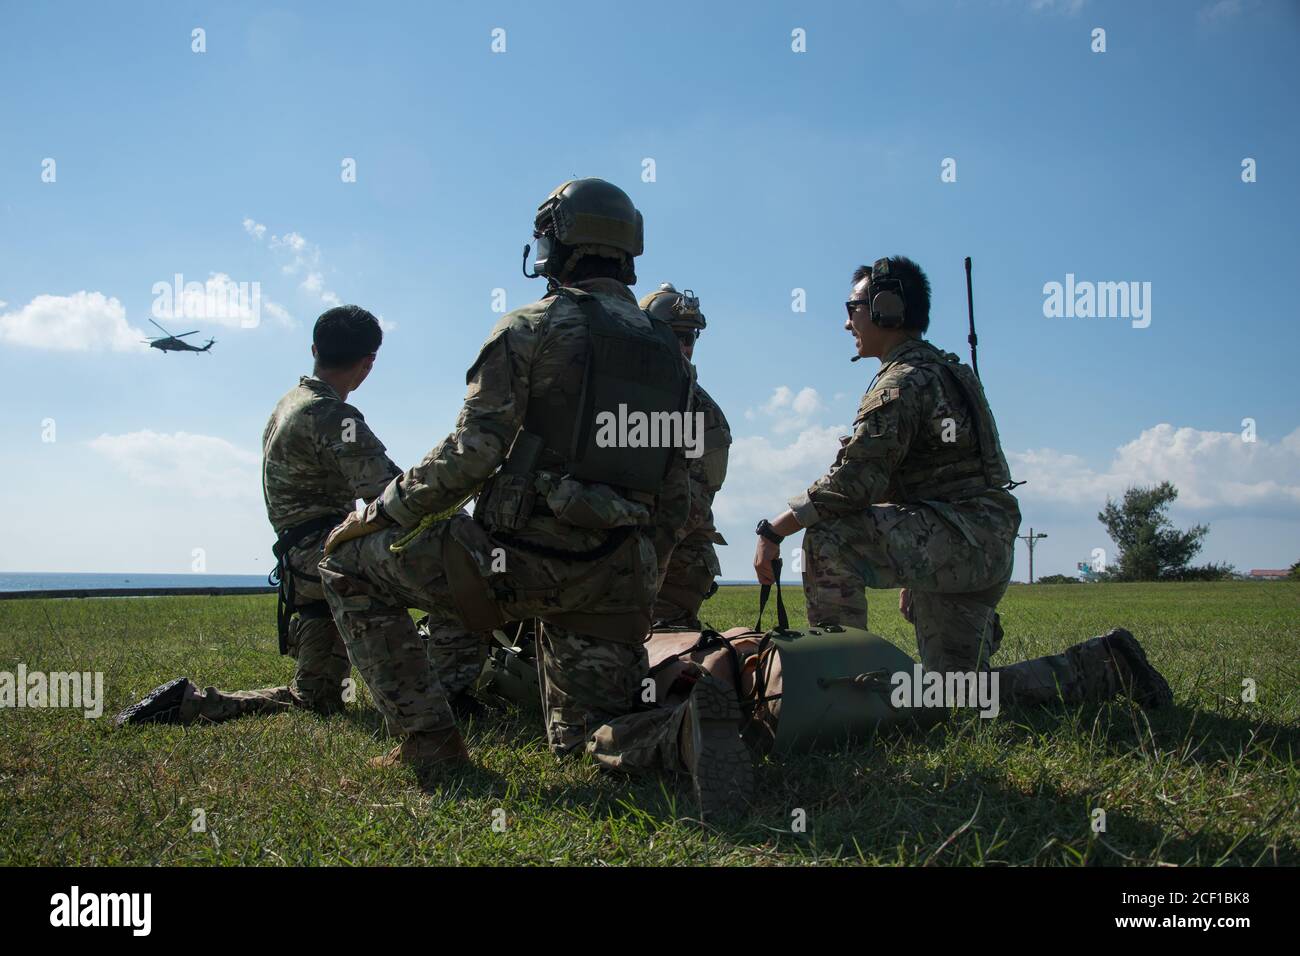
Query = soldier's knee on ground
x=585 y=681
x=321 y=695
x=641 y=741
x=322 y=663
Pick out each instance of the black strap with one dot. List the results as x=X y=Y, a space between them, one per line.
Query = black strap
x=292 y=537
x=782 y=620
x=612 y=543
x=284 y=600
x=282 y=575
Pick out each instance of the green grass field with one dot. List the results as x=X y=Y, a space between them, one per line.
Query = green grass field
x=1213 y=780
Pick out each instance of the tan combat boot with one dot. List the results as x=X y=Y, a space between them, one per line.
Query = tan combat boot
x=426 y=752
x=712 y=750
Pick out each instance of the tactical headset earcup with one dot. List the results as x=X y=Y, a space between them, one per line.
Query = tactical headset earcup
x=887 y=310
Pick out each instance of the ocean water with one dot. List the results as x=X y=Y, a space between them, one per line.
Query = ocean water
x=49 y=581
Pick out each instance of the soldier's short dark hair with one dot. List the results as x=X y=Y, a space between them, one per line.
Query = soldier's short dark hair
x=596 y=267
x=916 y=290
x=344 y=335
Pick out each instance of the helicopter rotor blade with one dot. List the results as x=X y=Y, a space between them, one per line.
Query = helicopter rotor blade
x=183 y=334
x=168 y=334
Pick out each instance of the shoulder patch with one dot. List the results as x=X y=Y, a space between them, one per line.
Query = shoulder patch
x=878 y=398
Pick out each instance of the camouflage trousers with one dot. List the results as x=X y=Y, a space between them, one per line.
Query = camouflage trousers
x=590 y=685
x=956 y=559
x=322 y=666
x=313 y=642
x=692 y=568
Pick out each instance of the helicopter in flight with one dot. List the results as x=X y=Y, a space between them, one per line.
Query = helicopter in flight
x=173 y=343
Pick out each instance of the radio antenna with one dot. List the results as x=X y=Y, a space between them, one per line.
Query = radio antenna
x=973 y=339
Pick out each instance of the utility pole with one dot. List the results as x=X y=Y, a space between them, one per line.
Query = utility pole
x=1031 y=539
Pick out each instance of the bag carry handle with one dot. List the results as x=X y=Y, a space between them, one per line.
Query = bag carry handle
x=782 y=621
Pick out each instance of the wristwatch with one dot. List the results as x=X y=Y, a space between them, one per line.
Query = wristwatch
x=765 y=530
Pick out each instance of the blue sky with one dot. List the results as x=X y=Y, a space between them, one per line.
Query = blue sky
x=774 y=170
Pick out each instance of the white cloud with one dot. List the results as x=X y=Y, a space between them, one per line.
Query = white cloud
x=220 y=300
x=1220 y=11
x=1068 y=7
x=304 y=257
x=81 y=322
x=315 y=285
x=1210 y=470
x=293 y=241
x=196 y=466
x=762 y=475
x=278 y=312
x=788 y=410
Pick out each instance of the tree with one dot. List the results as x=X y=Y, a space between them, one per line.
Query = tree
x=1294 y=575
x=1150 y=548
x=1204 y=572
x=1057 y=579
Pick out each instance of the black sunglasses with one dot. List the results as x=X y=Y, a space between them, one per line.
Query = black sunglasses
x=854 y=304
x=687 y=337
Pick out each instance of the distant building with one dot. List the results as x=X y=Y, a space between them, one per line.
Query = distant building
x=1258 y=574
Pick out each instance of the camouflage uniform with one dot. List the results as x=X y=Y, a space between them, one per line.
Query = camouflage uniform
x=319 y=456
x=906 y=504
x=509 y=559
x=693 y=564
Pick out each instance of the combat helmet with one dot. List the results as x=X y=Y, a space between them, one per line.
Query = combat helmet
x=587 y=217
x=681 y=310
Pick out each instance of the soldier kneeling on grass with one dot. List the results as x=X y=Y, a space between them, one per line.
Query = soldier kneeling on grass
x=318 y=458
x=567 y=527
x=919 y=497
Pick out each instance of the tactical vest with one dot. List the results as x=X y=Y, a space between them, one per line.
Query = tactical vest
x=631 y=374
x=950 y=470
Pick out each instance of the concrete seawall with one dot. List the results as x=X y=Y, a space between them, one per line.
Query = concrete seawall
x=132 y=592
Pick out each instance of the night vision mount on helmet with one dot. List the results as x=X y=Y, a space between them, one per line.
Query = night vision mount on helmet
x=585 y=217
x=681 y=310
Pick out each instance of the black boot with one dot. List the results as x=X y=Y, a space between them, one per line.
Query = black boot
x=1142 y=681
x=162 y=705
